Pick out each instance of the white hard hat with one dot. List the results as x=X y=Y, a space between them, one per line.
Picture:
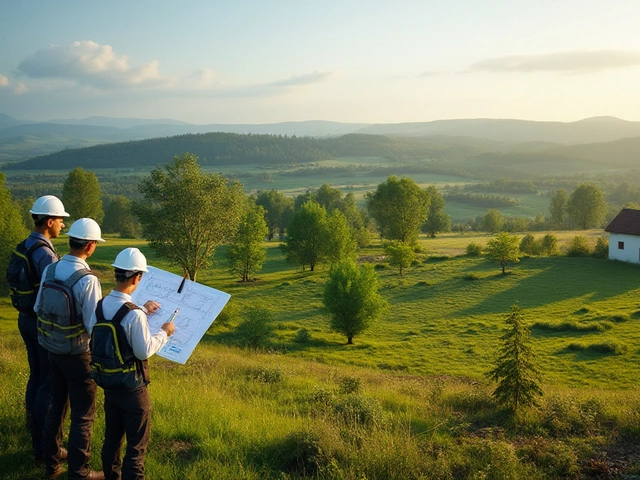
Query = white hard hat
x=48 y=205
x=132 y=260
x=86 y=229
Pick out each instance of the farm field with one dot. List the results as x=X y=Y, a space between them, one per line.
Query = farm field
x=417 y=377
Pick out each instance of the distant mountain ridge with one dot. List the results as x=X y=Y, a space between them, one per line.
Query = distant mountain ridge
x=24 y=139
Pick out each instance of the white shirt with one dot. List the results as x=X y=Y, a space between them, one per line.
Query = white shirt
x=134 y=324
x=87 y=291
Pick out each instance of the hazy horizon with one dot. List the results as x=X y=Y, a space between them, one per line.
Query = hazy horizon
x=209 y=62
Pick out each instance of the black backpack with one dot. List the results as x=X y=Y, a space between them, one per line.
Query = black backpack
x=22 y=277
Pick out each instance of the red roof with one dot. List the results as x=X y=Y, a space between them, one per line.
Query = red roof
x=627 y=222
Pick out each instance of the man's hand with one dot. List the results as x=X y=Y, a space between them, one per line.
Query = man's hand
x=152 y=306
x=168 y=327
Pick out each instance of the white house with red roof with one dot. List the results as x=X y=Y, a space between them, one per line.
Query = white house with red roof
x=624 y=236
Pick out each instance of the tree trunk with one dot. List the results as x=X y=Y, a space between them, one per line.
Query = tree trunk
x=350 y=340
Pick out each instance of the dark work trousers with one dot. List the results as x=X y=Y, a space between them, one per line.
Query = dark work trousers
x=37 y=399
x=71 y=384
x=126 y=414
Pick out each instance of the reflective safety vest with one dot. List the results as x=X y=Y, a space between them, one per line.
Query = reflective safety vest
x=114 y=366
x=60 y=328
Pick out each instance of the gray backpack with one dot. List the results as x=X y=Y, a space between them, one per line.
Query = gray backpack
x=60 y=328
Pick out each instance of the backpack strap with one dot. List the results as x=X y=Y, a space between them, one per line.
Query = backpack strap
x=77 y=275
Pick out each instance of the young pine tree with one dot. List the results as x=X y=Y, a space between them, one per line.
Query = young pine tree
x=515 y=369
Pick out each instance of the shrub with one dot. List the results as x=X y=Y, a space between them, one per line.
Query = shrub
x=303 y=335
x=474 y=250
x=302 y=453
x=349 y=385
x=256 y=330
x=530 y=245
x=228 y=314
x=358 y=409
x=601 y=249
x=471 y=276
x=549 y=244
x=579 y=247
x=266 y=374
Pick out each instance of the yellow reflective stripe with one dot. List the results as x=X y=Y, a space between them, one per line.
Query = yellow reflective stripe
x=44 y=332
x=62 y=327
x=97 y=366
x=115 y=337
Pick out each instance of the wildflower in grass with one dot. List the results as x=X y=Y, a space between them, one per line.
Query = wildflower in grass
x=515 y=371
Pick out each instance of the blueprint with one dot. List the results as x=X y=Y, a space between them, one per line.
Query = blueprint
x=198 y=306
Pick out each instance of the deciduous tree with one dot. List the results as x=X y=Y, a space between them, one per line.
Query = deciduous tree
x=437 y=219
x=515 y=369
x=246 y=253
x=351 y=298
x=492 y=221
x=399 y=207
x=278 y=210
x=558 y=208
x=119 y=217
x=400 y=255
x=12 y=230
x=340 y=244
x=81 y=195
x=307 y=235
x=187 y=213
x=504 y=248
x=586 y=206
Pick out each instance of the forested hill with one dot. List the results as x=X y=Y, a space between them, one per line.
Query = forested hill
x=230 y=148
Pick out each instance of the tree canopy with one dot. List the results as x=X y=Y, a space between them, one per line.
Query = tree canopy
x=504 y=248
x=81 y=195
x=187 y=213
x=307 y=235
x=246 y=253
x=586 y=206
x=351 y=298
x=399 y=207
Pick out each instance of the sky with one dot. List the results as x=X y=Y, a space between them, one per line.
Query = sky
x=363 y=61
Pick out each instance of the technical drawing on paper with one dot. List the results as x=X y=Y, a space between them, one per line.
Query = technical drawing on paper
x=199 y=306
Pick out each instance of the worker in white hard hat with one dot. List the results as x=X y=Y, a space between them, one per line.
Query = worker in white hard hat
x=48 y=215
x=68 y=295
x=120 y=367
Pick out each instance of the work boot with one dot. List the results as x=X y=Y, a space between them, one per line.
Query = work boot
x=57 y=472
x=63 y=454
x=95 y=475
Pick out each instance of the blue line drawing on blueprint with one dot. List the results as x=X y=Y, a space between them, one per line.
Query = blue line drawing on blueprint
x=199 y=306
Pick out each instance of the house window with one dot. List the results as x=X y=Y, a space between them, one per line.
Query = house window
x=620 y=245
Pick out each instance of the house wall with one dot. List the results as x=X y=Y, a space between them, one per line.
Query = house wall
x=631 y=251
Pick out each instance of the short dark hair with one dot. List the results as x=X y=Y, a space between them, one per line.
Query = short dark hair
x=124 y=275
x=40 y=220
x=78 y=243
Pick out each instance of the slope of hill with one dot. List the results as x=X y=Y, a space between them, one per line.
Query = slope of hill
x=596 y=129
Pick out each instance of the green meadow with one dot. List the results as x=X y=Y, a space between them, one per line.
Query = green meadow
x=409 y=400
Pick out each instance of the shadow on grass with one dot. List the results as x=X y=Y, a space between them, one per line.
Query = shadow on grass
x=555 y=279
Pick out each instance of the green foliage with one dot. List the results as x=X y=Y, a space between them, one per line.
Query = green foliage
x=12 y=231
x=246 y=254
x=399 y=207
x=601 y=249
x=515 y=368
x=303 y=336
x=349 y=385
x=558 y=208
x=81 y=195
x=340 y=244
x=492 y=221
x=277 y=210
x=586 y=206
x=503 y=248
x=549 y=244
x=474 y=249
x=579 y=247
x=400 y=255
x=187 y=213
x=482 y=200
x=358 y=409
x=437 y=219
x=228 y=315
x=119 y=217
x=307 y=235
x=351 y=298
x=257 y=328
x=530 y=245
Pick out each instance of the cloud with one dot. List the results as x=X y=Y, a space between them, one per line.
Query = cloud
x=4 y=81
x=20 y=89
x=567 y=62
x=301 y=80
x=90 y=63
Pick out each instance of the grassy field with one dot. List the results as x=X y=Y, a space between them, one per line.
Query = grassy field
x=410 y=398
